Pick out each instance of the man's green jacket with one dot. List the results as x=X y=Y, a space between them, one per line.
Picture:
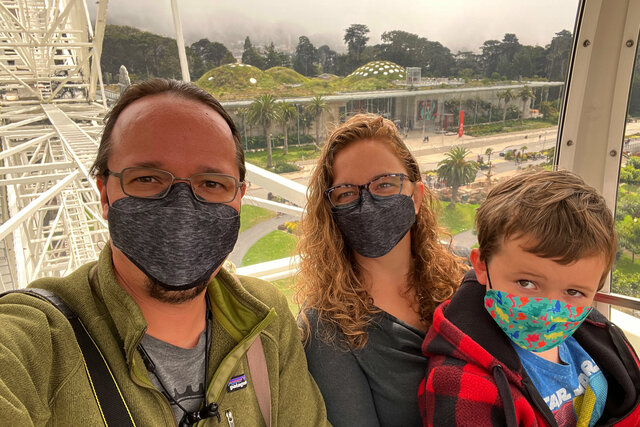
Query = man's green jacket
x=43 y=379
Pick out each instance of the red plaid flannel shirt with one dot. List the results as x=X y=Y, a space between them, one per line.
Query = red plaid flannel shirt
x=461 y=386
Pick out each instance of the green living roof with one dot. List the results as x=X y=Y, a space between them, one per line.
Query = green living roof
x=239 y=78
x=386 y=70
x=242 y=81
x=286 y=75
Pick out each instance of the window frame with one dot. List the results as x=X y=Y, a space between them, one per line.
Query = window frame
x=597 y=92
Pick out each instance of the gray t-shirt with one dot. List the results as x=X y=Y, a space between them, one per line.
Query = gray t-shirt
x=181 y=371
x=374 y=386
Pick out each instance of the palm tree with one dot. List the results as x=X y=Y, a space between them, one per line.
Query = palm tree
x=506 y=96
x=242 y=112
x=263 y=112
x=286 y=113
x=488 y=152
x=457 y=171
x=306 y=118
x=476 y=100
x=317 y=107
x=525 y=94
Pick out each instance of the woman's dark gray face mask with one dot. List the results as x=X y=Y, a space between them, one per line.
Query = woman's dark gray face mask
x=176 y=241
x=375 y=225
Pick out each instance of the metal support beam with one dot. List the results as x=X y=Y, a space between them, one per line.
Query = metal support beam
x=272 y=270
x=101 y=24
x=290 y=190
x=31 y=179
x=184 y=66
x=273 y=206
x=14 y=150
x=15 y=221
x=11 y=170
x=19 y=80
x=14 y=125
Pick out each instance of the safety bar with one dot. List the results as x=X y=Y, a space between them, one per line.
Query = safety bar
x=619 y=300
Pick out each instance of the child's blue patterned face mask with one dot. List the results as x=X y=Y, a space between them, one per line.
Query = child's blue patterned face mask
x=535 y=324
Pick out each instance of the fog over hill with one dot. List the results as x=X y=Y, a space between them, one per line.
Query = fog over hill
x=457 y=24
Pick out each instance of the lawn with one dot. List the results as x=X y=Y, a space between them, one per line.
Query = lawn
x=629 y=188
x=459 y=219
x=509 y=126
x=303 y=152
x=625 y=266
x=252 y=215
x=275 y=245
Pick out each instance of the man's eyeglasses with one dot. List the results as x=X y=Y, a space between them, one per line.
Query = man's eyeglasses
x=382 y=186
x=151 y=183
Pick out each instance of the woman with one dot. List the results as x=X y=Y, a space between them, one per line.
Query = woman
x=372 y=272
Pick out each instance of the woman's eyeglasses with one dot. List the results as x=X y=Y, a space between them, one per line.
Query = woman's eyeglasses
x=381 y=186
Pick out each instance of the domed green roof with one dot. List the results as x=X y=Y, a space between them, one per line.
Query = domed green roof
x=386 y=70
x=240 y=77
x=286 y=75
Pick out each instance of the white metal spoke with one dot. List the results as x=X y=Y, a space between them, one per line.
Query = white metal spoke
x=273 y=206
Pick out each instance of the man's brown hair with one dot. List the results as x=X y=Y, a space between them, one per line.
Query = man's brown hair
x=565 y=219
x=154 y=87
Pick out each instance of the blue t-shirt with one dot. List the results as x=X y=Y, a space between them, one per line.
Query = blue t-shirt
x=575 y=389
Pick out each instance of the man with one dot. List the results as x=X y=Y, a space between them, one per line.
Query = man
x=173 y=326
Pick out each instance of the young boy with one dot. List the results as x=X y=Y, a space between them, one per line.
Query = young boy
x=519 y=343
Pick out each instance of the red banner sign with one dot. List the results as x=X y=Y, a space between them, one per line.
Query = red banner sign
x=461 y=125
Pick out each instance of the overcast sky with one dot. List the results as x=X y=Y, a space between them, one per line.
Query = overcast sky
x=457 y=24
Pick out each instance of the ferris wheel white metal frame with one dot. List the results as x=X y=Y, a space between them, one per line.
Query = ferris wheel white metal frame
x=50 y=215
x=50 y=220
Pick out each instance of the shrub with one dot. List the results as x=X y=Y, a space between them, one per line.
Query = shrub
x=259 y=142
x=630 y=174
x=291 y=226
x=549 y=111
x=625 y=283
x=284 y=167
x=276 y=198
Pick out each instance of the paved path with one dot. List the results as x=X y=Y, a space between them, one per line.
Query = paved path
x=466 y=239
x=249 y=237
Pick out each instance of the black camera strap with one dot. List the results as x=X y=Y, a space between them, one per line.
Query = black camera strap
x=110 y=401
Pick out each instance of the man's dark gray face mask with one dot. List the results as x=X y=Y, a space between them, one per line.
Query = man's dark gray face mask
x=177 y=241
x=375 y=226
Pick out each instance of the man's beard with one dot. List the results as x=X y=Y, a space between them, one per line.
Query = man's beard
x=161 y=293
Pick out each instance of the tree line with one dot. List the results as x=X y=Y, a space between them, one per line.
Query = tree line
x=498 y=59
x=149 y=55
x=146 y=55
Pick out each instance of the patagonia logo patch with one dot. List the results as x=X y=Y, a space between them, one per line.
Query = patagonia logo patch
x=237 y=383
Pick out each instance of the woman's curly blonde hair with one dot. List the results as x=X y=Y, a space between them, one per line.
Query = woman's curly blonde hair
x=329 y=281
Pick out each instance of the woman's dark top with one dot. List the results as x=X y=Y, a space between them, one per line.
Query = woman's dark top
x=374 y=386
